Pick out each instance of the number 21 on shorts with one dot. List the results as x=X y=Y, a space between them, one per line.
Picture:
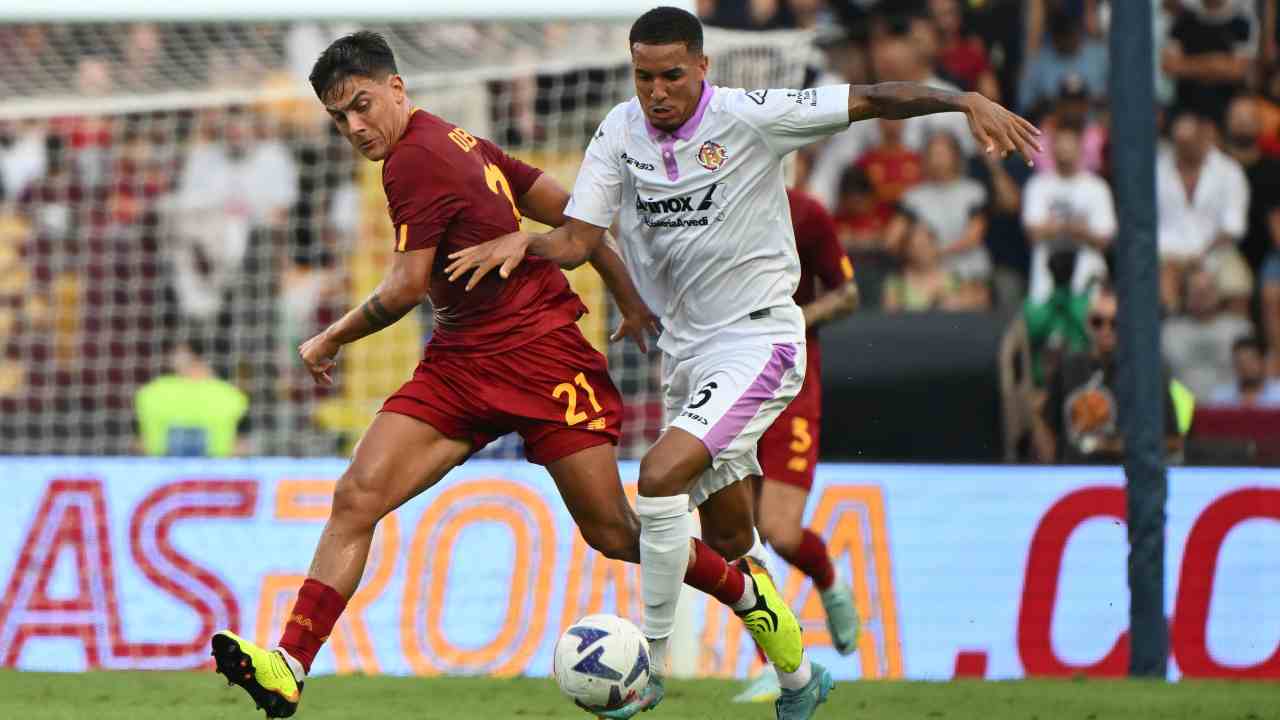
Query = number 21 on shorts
x=568 y=392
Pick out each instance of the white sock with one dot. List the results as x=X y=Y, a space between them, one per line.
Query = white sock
x=658 y=655
x=748 y=599
x=665 y=529
x=295 y=667
x=799 y=677
x=757 y=551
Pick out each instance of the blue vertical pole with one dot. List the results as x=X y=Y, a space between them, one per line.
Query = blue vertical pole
x=1141 y=382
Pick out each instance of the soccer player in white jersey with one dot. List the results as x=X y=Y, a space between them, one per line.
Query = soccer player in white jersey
x=693 y=175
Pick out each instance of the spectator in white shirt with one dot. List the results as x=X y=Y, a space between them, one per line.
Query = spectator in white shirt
x=228 y=188
x=1067 y=210
x=954 y=208
x=1203 y=205
x=1198 y=345
x=1251 y=387
x=23 y=157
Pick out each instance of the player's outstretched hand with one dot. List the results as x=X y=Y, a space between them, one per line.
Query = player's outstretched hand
x=504 y=253
x=638 y=324
x=1000 y=131
x=320 y=354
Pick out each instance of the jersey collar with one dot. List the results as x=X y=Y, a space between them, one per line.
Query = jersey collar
x=690 y=126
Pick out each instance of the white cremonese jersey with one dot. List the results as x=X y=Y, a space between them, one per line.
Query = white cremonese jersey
x=703 y=215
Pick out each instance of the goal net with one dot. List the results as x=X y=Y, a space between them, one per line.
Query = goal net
x=171 y=191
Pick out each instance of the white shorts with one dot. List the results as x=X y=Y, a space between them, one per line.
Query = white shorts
x=728 y=398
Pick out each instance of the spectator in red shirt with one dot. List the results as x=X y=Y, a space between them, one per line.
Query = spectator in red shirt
x=962 y=57
x=860 y=219
x=892 y=167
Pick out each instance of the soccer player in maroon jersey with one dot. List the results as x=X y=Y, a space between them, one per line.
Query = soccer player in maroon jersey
x=506 y=356
x=788 y=450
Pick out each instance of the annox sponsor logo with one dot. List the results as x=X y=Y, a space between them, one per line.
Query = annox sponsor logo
x=701 y=202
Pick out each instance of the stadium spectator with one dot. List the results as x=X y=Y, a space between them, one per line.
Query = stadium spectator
x=954 y=208
x=144 y=66
x=844 y=50
x=892 y=167
x=1250 y=387
x=1004 y=180
x=1069 y=52
x=228 y=188
x=1203 y=200
x=1243 y=131
x=924 y=283
x=758 y=14
x=962 y=56
x=1074 y=107
x=190 y=412
x=1060 y=324
x=1079 y=421
x=894 y=57
x=859 y=216
x=1198 y=345
x=23 y=156
x=1210 y=54
x=1067 y=210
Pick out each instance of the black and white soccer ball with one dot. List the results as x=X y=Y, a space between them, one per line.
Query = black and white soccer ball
x=601 y=662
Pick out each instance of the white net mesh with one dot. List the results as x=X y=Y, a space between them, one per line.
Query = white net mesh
x=166 y=185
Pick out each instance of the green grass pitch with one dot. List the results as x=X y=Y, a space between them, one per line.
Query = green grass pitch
x=202 y=695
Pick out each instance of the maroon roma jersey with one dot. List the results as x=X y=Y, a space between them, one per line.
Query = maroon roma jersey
x=821 y=258
x=449 y=190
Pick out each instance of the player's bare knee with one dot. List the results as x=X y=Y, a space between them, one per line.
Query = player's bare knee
x=660 y=478
x=356 y=502
x=731 y=544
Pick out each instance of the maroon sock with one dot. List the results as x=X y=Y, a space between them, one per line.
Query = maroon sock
x=314 y=613
x=712 y=575
x=811 y=558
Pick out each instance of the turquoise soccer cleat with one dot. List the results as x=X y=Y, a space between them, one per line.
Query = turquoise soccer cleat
x=803 y=703
x=648 y=700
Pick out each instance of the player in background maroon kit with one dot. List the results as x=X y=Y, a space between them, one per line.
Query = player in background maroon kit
x=788 y=451
x=506 y=356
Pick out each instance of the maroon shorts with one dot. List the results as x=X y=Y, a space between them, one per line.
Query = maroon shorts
x=788 y=450
x=555 y=391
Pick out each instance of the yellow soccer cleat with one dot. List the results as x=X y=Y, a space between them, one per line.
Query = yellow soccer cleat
x=770 y=621
x=263 y=674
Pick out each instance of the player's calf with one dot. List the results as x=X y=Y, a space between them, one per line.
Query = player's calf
x=616 y=541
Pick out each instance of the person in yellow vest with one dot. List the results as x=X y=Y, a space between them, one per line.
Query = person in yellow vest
x=190 y=412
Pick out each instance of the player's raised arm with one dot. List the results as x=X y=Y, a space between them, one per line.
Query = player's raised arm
x=403 y=289
x=996 y=128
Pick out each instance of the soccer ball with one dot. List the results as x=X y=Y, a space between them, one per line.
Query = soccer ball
x=601 y=662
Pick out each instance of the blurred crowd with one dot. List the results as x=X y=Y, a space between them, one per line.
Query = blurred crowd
x=934 y=225
x=133 y=242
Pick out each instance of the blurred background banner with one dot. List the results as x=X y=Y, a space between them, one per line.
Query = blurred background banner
x=175 y=205
x=978 y=571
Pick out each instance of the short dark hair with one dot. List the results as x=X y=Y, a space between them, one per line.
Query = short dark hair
x=665 y=25
x=1069 y=123
x=1248 y=342
x=361 y=54
x=854 y=181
